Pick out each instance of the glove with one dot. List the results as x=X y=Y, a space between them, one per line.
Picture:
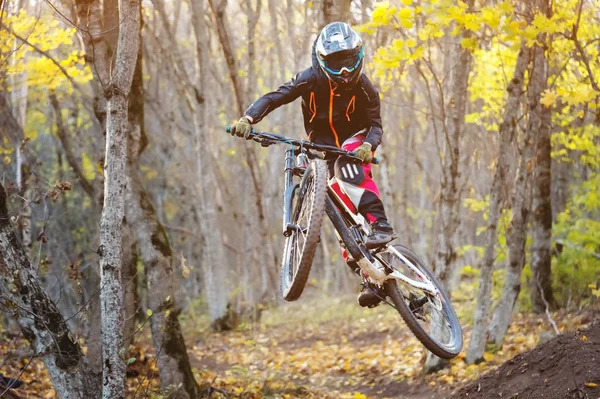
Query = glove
x=242 y=128
x=364 y=152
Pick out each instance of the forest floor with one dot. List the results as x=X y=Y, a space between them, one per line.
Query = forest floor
x=334 y=349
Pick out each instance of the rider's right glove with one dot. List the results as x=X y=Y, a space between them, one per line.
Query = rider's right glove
x=242 y=128
x=364 y=152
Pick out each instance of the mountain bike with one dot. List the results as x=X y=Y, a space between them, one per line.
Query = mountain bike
x=389 y=269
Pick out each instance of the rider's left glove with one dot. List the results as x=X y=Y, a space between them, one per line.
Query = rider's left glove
x=364 y=152
x=242 y=128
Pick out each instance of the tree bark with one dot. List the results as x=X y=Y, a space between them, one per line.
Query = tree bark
x=61 y=132
x=43 y=326
x=455 y=108
x=89 y=16
x=507 y=133
x=215 y=281
x=9 y=126
x=115 y=188
x=218 y=9
x=153 y=245
x=541 y=284
x=520 y=202
x=334 y=10
x=449 y=208
x=278 y=46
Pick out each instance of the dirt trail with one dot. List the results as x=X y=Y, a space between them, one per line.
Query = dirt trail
x=567 y=366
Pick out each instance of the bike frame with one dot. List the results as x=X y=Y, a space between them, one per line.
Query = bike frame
x=373 y=268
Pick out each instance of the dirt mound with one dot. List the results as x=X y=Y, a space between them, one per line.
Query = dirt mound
x=567 y=366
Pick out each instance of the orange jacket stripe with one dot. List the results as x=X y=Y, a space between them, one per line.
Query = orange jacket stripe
x=351 y=103
x=312 y=106
x=331 y=90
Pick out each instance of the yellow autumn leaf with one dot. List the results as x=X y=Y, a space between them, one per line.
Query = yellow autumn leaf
x=358 y=395
x=87 y=167
x=591 y=384
x=549 y=98
x=380 y=13
x=149 y=312
x=469 y=43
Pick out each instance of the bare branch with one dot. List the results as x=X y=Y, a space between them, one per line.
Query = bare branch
x=62 y=135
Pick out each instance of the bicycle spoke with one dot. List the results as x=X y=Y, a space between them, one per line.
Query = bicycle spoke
x=428 y=311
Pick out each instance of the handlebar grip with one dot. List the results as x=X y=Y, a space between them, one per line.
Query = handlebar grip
x=228 y=129
x=375 y=161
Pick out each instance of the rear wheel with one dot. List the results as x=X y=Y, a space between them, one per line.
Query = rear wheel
x=300 y=246
x=431 y=318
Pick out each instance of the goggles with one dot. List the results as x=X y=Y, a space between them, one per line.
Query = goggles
x=349 y=63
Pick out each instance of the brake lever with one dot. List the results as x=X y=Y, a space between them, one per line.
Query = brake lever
x=375 y=160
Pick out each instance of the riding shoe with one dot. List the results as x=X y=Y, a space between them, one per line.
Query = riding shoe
x=381 y=233
x=370 y=296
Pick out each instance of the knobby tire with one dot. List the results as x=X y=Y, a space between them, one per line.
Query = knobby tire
x=294 y=276
x=397 y=298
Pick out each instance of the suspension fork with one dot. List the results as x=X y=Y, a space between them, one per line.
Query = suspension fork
x=288 y=192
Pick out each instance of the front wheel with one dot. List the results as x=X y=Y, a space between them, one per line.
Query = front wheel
x=307 y=217
x=431 y=318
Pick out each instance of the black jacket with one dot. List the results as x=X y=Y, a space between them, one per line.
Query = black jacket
x=331 y=114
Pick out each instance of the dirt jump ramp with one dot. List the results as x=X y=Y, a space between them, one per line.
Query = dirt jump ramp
x=567 y=366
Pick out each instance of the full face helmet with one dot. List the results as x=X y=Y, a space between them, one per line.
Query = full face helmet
x=340 y=53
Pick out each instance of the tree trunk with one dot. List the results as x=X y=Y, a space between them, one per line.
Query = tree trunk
x=541 y=223
x=61 y=132
x=520 y=203
x=455 y=108
x=449 y=208
x=89 y=15
x=334 y=10
x=218 y=9
x=111 y=223
x=39 y=319
x=278 y=46
x=153 y=245
x=215 y=281
x=130 y=298
x=507 y=135
x=266 y=250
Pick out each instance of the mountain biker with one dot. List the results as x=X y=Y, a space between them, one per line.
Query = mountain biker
x=341 y=107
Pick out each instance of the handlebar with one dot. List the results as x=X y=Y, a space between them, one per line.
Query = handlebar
x=266 y=139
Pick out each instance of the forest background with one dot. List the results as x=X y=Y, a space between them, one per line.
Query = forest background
x=490 y=172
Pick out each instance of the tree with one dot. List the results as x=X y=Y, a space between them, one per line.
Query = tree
x=507 y=134
x=334 y=10
x=541 y=258
x=113 y=211
x=156 y=254
x=38 y=317
x=521 y=200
